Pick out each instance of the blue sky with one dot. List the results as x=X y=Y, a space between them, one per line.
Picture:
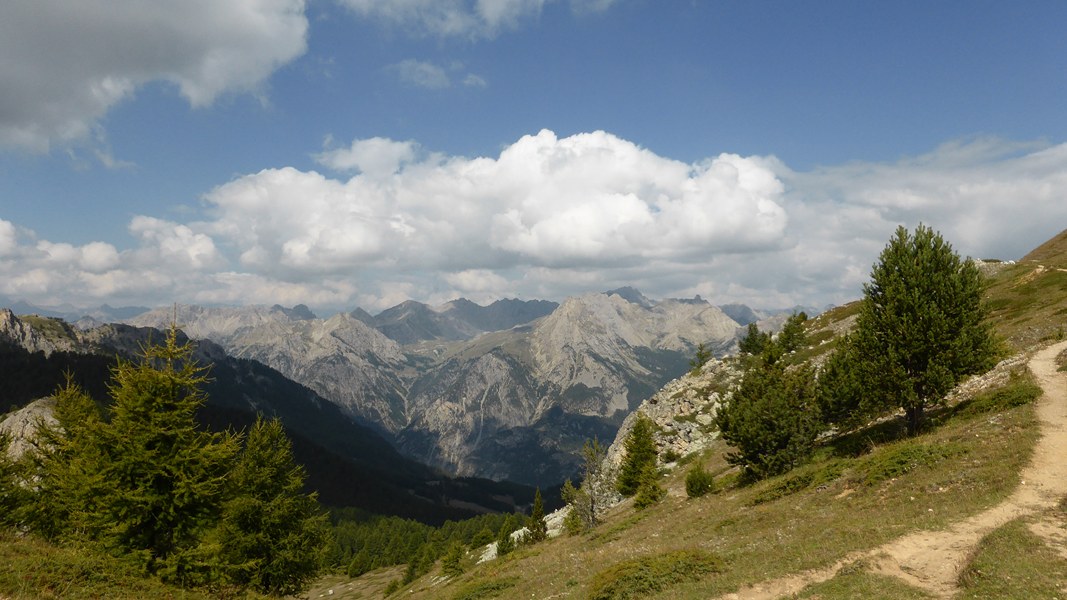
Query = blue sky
x=346 y=153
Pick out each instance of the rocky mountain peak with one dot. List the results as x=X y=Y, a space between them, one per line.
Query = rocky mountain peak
x=36 y=333
x=300 y=312
x=631 y=294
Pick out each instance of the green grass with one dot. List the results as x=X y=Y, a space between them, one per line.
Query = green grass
x=1012 y=562
x=1028 y=303
x=889 y=463
x=636 y=578
x=477 y=590
x=1021 y=389
x=49 y=328
x=33 y=568
x=858 y=583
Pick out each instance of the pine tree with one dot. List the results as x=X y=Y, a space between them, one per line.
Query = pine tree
x=649 y=490
x=703 y=355
x=792 y=335
x=535 y=525
x=921 y=326
x=640 y=451
x=504 y=543
x=271 y=536
x=698 y=482
x=753 y=341
x=772 y=420
x=483 y=537
x=451 y=564
x=842 y=396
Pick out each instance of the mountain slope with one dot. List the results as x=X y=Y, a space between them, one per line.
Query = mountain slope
x=341 y=358
x=411 y=322
x=519 y=404
x=349 y=464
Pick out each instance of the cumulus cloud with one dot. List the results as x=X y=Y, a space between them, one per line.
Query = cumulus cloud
x=462 y=18
x=550 y=217
x=8 y=239
x=67 y=63
x=583 y=200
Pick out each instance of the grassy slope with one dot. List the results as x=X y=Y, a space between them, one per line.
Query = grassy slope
x=806 y=519
x=833 y=506
x=1028 y=300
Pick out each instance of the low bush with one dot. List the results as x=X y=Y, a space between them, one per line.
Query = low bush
x=643 y=576
x=698 y=482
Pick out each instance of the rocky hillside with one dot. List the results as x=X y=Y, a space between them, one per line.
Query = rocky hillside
x=514 y=403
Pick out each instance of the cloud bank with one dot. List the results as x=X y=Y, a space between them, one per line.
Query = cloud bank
x=548 y=217
x=65 y=64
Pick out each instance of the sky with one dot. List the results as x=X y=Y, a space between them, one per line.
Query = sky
x=344 y=153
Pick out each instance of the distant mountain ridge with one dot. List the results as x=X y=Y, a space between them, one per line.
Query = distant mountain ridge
x=464 y=387
x=411 y=322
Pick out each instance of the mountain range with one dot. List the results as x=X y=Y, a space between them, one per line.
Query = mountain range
x=508 y=391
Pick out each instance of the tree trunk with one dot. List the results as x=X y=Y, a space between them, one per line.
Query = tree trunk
x=915 y=416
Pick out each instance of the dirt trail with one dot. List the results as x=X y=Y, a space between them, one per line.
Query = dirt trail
x=931 y=560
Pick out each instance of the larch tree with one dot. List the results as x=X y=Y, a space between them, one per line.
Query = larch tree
x=271 y=535
x=640 y=451
x=67 y=465
x=584 y=502
x=537 y=528
x=166 y=476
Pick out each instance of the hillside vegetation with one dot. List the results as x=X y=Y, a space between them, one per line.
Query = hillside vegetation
x=855 y=492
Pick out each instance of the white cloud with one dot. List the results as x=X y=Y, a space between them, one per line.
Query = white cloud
x=421 y=74
x=67 y=63
x=550 y=217
x=174 y=245
x=373 y=156
x=584 y=200
x=472 y=80
x=8 y=238
x=462 y=18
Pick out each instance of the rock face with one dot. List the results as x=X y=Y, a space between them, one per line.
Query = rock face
x=22 y=425
x=539 y=392
x=514 y=403
x=51 y=336
x=683 y=411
